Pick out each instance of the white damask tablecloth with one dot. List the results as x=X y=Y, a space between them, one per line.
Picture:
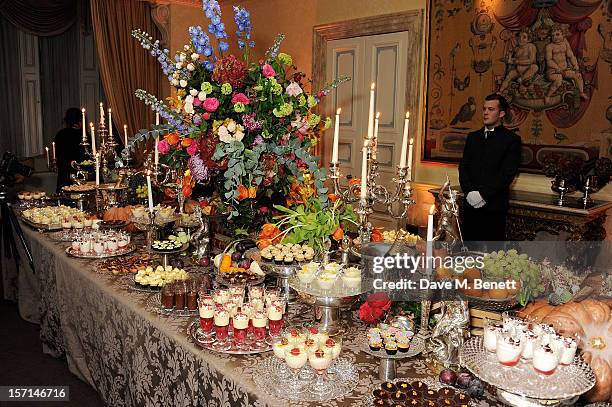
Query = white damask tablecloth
x=133 y=356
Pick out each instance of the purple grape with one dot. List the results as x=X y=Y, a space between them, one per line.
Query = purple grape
x=476 y=388
x=448 y=377
x=236 y=256
x=464 y=380
x=246 y=263
x=205 y=261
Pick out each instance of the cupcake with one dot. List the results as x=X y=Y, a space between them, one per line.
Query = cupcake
x=375 y=344
x=391 y=348
x=388 y=387
x=403 y=386
x=403 y=343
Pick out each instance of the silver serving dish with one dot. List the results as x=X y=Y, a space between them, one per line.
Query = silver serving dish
x=522 y=380
x=192 y=333
x=417 y=345
x=92 y=255
x=47 y=227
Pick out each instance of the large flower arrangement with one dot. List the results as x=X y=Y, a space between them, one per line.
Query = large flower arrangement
x=244 y=129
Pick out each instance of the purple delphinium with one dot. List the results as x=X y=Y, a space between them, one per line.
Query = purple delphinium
x=199 y=170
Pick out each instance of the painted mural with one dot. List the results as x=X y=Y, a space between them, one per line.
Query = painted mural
x=552 y=60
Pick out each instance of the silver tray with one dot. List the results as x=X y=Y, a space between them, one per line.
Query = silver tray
x=41 y=226
x=431 y=383
x=62 y=236
x=417 y=345
x=129 y=249
x=268 y=372
x=223 y=281
x=184 y=247
x=154 y=304
x=279 y=270
x=522 y=379
x=192 y=329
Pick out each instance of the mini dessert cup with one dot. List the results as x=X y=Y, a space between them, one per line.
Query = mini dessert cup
x=546 y=357
x=241 y=323
x=320 y=360
x=296 y=359
x=491 y=328
x=221 y=323
x=259 y=321
x=275 y=320
x=167 y=298
x=207 y=314
x=509 y=349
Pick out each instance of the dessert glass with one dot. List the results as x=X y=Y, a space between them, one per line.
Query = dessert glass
x=167 y=298
x=491 y=328
x=259 y=321
x=546 y=357
x=221 y=324
x=180 y=292
x=296 y=359
x=320 y=360
x=241 y=324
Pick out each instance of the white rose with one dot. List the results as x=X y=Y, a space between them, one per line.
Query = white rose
x=231 y=126
x=174 y=82
x=183 y=83
x=189 y=99
x=202 y=96
x=193 y=92
x=226 y=138
x=222 y=132
x=186 y=47
x=195 y=56
x=179 y=65
x=182 y=57
x=190 y=67
x=238 y=136
x=188 y=107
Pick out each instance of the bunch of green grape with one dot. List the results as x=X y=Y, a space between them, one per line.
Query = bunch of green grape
x=511 y=264
x=141 y=191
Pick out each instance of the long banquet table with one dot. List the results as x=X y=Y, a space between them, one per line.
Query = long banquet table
x=113 y=338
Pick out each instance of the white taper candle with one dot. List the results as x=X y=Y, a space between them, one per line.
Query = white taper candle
x=404 y=141
x=336 y=136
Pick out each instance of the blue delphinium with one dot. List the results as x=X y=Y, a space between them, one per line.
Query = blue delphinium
x=200 y=40
x=162 y=55
x=216 y=27
x=242 y=18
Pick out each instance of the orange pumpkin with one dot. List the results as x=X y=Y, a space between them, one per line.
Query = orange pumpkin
x=590 y=319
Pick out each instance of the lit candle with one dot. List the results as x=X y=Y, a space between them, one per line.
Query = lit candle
x=336 y=135
x=93 y=138
x=410 y=159
x=404 y=141
x=157 y=118
x=125 y=134
x=375 y=143
x=53 y=144
x=110 y=121
x=156 y=151
x=101 y=114
x=84 y=126
x=429 y=250
x=97 y=170
x=150 y=194
x=371 y=112
x=47 y=148
x=364 y=173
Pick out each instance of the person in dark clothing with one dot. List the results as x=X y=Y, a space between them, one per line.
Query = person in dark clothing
x=68 y=146
x=490 y=162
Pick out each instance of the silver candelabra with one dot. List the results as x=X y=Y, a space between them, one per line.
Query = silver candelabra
x=377 y=194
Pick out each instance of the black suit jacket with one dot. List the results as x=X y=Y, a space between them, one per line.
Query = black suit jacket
x=489 y=166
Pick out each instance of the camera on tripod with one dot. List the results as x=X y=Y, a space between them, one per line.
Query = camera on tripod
x=10 y=167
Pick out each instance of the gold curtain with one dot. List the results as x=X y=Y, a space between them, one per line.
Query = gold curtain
x=124 y=65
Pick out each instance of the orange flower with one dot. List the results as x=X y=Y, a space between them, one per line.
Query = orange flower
x=338 y=234
x=252 y=192
x=377 y=235
x=270 y=232
x=332 y=197
x=243 y=192
x=263 y=243
x=186 y=142
x=187 y=190
x=172 y=138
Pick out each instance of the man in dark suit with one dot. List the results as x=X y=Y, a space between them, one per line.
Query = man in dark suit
x=490 y=162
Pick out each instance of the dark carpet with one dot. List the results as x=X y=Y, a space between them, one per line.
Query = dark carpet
x=22 y=362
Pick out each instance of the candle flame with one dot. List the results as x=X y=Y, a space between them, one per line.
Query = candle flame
x=109 y=109
x=83 y=110
x=377 y=115
x=338 y=111
x=407 y=115
x=91 y=124
x=47 y=148
x=125 y=126
x=372 y=86
x=432 y=209
x=411 y=140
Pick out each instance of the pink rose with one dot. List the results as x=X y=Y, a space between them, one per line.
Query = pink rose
x=205 y=115
x=197 y=102
x=268 y=71
x=163 y=147
x=211 y=104
x=240 y=98
x=192 y=149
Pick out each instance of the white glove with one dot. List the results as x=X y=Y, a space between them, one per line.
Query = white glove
x=475 y=199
